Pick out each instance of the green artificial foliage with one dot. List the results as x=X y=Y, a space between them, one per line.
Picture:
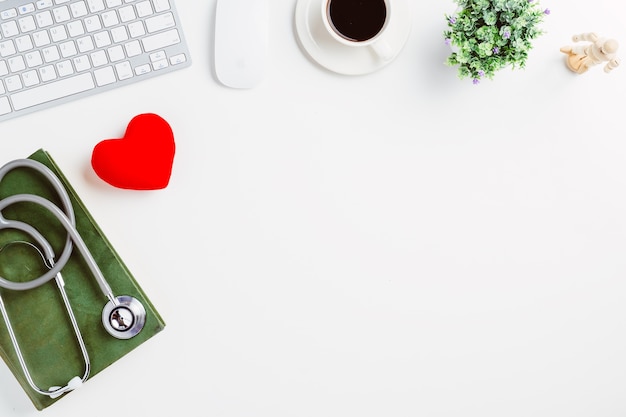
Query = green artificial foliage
x=488 y=35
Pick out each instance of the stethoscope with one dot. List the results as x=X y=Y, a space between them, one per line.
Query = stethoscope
x=123 y=317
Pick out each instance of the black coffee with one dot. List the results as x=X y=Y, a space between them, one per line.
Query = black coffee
x=358 y=20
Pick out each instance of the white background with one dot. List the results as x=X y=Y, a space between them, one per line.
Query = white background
x=398 y=244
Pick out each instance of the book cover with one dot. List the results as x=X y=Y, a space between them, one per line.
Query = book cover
x=38 y=316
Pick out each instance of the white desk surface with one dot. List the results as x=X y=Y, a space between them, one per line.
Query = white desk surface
x=397 y=244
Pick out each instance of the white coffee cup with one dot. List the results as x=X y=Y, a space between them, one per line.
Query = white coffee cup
x=359 y=24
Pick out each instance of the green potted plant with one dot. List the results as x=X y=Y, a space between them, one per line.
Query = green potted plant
x=488 y=35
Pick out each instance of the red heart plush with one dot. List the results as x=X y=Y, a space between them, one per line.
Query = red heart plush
x=142 y=159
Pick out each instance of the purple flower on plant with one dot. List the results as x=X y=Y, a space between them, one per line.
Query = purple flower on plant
x=476 y=81
x=481 y=73
x=547 y=11
x=447 y=41
x=496 y=50
x=452 y=20
x=506 y=34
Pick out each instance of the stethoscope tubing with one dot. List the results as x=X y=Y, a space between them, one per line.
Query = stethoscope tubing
x=56 y=266
x=67 y=220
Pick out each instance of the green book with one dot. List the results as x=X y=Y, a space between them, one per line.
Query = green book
x=38 y=316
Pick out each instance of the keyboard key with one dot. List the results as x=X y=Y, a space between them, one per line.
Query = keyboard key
x=144 y=8
x=27 y=24
x=30 y=78
x=75 y=28
x=8 y=14
x=7 y=48
x=157 y=23
x=119 y=34
x=99 y=58
x=95 y=6
x=44 y=19
x=104 y=76
x=133 y=48
x=47 y=73
x=136 y=29
x=160 y=40
x=102 y=39
x=92 y=23
x=116 y=53
x=9 y=29
x=16 y=63
x=68 y=49
x=51 y=54
x=58 y=33
x=79 y=9
x=161 y=5
x=127 y=14
x=85 y=44
x=64 y=68
x=5 y=107
x=24 y=43
x=109 y=18
x=159 y=65
x=61 y=14
x=52 y=91
x=158 y=55
x=34 y=59
x=81 y=63
x=143 y=69
x=41 y=38
x=178 y=59
x=13 y=83
x=124 y=70
x=26 y=8
x=42 y=4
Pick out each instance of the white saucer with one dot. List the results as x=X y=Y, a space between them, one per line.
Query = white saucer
x=342 y=59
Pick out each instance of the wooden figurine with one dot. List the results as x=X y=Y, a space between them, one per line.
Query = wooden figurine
x=582 y=57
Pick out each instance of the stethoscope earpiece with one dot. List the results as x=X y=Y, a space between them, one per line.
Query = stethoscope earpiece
x=124 y=319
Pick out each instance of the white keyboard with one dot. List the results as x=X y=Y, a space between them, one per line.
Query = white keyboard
x=54 y=51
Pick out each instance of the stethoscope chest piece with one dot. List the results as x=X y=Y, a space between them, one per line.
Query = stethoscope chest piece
x=124 y=320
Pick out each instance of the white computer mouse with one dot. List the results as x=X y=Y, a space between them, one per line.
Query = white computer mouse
x=241 y=37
